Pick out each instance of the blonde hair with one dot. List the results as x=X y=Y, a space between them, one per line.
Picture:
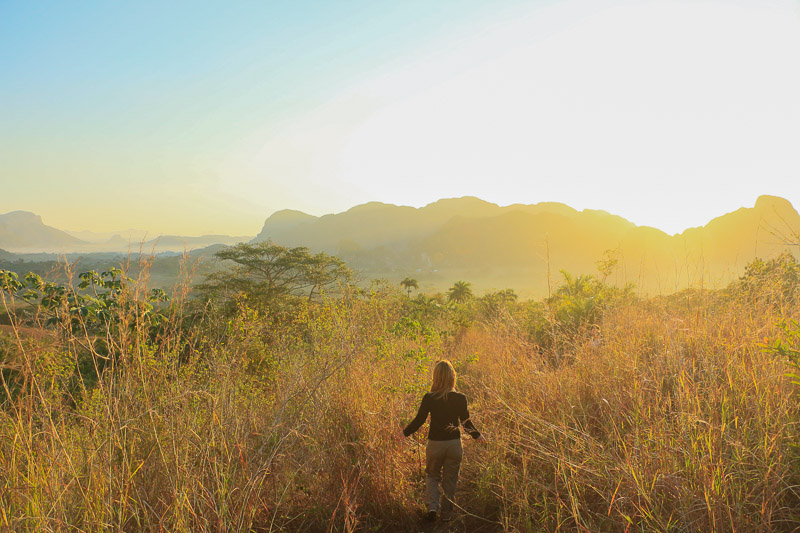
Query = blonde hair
x=444 y=379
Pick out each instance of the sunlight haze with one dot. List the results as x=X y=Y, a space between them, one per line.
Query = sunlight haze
x=183 y=119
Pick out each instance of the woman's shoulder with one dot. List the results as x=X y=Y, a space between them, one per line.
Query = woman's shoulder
x=458 y=396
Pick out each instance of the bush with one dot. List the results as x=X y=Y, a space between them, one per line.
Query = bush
x=773 y=283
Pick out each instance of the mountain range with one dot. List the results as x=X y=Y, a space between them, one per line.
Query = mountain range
x=517 y=246
x=24 y=232
x=525 y=246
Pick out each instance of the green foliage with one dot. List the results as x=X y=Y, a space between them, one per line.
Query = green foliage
x=538 y=325
x=460 y=292
x=787 y=346
x=99 y=302
x=267 y=275
x=425 y=307
x=575 y=308
x=418 y=340
x=577 y=303
x=248 y=343
x=608 y=264
x=409 y=327
x=773 y=283
x=497 y=304
x=90 y=318
x=12 y=376
x=408 y=284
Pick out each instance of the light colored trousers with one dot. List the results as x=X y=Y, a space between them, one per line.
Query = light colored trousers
x=442 y=463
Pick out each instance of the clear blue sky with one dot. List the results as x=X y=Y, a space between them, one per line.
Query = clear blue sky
x=199 y=117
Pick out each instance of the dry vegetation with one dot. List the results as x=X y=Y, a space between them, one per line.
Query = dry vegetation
x=674 y=419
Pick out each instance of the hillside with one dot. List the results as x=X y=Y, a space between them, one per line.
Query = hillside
x=22 y=231
x=516 y=245
x=178 y=243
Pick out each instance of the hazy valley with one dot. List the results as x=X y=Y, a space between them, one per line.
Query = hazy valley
x=260 y=387
x=522 y=247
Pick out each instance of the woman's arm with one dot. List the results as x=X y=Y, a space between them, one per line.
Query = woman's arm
x=469 y=427
x=422 y=415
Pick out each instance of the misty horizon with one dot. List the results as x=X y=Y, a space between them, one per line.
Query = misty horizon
x=98 y=234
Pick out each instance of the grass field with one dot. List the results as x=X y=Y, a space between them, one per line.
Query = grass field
x=674 y=418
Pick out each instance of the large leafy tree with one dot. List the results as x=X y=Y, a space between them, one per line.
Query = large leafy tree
x=265 y=273
x=460 y=292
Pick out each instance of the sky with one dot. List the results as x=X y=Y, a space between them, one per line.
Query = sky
x=198 y=117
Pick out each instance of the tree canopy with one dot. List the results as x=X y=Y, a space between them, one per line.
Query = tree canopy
x=408 y=284
x=264 y=272
x=460 y=292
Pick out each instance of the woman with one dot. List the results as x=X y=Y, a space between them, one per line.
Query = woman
x=448 y=410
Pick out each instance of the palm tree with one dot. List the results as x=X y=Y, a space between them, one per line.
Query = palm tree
x=459 y=292
x=427 y=306
x=577 y=302
x=409 y=283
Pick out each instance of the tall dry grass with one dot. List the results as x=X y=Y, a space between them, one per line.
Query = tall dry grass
x=674 y=420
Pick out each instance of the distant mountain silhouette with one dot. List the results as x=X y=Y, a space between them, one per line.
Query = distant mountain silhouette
x=379 y=224
x=177 y=243
x=128 y=235
x=517 y=245
x=24 y=231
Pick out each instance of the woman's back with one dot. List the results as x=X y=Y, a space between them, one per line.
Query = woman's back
x=448 y=411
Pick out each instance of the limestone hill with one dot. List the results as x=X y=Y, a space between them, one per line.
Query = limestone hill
x=517 y=245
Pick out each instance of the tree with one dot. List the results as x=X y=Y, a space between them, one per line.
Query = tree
x=578 y=304
x=773 y=282
x=460 y=292
x=265 y=273
x=494 y=303
x=408 y=284
x=425 y=306
x=608 y=264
